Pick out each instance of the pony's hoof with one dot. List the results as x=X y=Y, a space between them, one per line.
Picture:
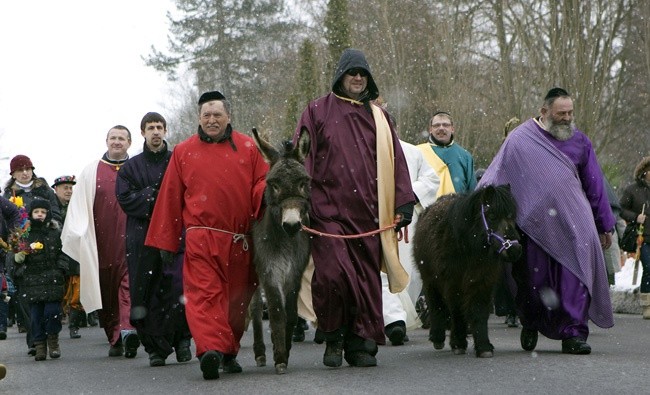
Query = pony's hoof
x=281 y=368
x=459 y=351
x=485 y=354
x=438 y=346
x=260 y=361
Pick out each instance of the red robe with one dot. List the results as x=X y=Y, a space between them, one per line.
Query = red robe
x=110 y=229
x=342 y=161
x=215 y=192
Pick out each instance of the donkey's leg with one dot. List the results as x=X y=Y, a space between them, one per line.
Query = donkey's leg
x=458 y=331
x=255 y=310
x=478 y=314
x=278 y=322
x=438 y=316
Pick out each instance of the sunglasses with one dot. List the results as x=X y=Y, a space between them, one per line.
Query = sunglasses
x=355 y=71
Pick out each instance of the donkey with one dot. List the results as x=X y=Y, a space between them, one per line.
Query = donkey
x=281 y=249
x=459 y=246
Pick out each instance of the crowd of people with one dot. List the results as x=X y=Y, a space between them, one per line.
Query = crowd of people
x=159 y=246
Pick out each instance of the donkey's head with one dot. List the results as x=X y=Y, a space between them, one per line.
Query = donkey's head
x=287 y=182
x=498 y=213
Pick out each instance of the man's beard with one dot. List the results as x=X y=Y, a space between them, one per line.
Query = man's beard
x=561 y=131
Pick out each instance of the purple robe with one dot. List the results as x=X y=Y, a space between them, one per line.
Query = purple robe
x=342 y=161
x=563 y=206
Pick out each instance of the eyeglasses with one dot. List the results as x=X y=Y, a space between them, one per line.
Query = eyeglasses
x=355 y=71
x=444 y=125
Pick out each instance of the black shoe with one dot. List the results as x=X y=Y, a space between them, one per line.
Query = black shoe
x=396 y=332
x=511 y=321
x=319 y=337
x=361 y=359
x=230 y=364
x=333 y=356
x=131 y=343
x=183 y=352
x=575 y=345
x=156 y=360
x=528 y=339
x=299 y=332
x=31 y=351
x=210 y=362
x=74 y=333
x=92 y=319
x=116 y=350
x=3 y=335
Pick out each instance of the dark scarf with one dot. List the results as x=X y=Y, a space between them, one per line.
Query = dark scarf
x=439 y=143
x=226 y=136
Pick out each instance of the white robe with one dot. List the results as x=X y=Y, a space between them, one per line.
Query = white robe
x=79 y=239
x=425 y=183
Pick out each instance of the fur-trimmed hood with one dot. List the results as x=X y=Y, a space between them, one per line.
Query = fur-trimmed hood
x=641 y=168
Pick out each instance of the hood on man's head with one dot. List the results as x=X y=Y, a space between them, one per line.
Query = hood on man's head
x=351 y=59
x=642 y=167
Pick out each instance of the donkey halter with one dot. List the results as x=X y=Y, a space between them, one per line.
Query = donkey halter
x=505 y=243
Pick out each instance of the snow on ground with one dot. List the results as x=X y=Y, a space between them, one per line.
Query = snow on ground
x=623 y=279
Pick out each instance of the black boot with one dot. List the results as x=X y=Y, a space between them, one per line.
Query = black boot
x=183 y=352
x=93 y=320
x=75 y=317
x=396 y=332
x=299 y=331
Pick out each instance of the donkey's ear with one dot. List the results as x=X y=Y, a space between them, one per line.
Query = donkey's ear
x=304 y=143
x=269 y=153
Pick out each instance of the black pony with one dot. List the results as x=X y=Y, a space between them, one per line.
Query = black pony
x=459 y=244
x=281 y=249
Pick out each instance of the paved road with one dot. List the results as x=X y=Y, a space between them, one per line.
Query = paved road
x=619 y=364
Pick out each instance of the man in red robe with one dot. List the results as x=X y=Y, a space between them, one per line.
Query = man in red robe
x=93 y=235
x=358 y=170
x=213 y=187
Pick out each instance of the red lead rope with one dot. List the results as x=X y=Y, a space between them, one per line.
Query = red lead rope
x=400 y=234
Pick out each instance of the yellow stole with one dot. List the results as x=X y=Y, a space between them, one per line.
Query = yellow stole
x=398 y=278
x=446 y=185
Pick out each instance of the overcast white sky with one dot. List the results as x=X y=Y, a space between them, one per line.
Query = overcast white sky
x=69 y=71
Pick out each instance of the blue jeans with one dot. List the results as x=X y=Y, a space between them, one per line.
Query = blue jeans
x=46 y=319
x=645 y=263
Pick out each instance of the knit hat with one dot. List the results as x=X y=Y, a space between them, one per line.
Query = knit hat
x=39 y=203
x=64 y=180
x=20 y=162
x=210 y=96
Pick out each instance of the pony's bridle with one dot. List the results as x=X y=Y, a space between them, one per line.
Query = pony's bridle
x=505 y=243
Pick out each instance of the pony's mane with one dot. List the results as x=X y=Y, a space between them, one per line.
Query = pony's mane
x=465 y=213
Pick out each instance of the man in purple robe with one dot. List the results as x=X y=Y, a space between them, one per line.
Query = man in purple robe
x=156 y=287
x=566 y=221
x=358 y=169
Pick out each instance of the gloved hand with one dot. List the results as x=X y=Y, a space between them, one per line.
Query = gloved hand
x=167 y=257
x=20 y=257
x=405 y=213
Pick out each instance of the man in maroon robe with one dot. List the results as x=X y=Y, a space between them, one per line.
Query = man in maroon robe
x=213 y=187
x=93 y=235
x=566 y=221
x=344 y=165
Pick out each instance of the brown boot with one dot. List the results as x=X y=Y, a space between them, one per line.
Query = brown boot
x=53 y=345
x=41 y=351
x=644 y=298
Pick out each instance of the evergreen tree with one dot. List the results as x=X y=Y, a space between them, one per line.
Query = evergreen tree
x=337 y=31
